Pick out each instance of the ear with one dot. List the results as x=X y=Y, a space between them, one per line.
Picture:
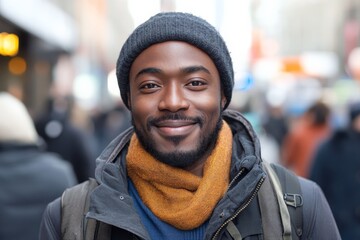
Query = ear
x=223 y=101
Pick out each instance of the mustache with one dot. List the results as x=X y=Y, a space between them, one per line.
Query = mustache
x=153 y=121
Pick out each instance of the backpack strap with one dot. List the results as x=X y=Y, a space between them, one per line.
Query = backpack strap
x=74 y=207
x=292 y=197
x=233 y=231
x=282 y=208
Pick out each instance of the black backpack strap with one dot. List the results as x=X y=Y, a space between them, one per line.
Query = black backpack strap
x=74 y=207
x=292 y=197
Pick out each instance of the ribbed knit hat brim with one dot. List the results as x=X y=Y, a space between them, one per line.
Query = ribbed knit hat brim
x=176 y=26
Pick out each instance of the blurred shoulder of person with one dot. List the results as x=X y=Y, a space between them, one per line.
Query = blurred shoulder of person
x=29 y=177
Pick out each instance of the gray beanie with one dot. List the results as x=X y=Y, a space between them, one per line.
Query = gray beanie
x=176 y=26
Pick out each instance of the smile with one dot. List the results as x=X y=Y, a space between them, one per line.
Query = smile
x=171 y=128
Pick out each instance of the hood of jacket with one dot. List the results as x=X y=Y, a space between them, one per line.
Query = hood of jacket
x=246 y=174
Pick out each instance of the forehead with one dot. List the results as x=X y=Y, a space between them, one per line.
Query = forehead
x=174 y=52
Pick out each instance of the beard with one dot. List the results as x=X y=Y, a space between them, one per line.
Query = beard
x=178 y=158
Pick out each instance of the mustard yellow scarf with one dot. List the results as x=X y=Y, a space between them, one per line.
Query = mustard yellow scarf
x=177 y=196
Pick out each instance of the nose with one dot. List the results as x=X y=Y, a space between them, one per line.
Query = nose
x=173 y=98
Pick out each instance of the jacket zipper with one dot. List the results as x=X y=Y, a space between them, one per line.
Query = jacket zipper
x=240 y=209
x=236 y=177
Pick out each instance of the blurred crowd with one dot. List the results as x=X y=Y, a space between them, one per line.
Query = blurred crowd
x=318 y=139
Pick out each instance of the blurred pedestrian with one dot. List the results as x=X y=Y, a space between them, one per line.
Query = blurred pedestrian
x=303 y=138
x=61 y=136
x=336 y=168
x=29 y=177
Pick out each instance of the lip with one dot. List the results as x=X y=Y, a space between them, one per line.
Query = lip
x=170 y=128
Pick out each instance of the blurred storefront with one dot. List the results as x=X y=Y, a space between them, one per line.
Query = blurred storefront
x=64 y=48
x=44 y=32
x=299 y=26
x=300 y=49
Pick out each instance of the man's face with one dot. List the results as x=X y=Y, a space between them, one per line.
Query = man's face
x=176 y=102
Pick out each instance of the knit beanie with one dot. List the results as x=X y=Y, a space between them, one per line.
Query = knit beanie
x=176 y=26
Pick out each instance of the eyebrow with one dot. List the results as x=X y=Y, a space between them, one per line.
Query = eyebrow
x=148 y=70
x=193 y=69
x=187 y=70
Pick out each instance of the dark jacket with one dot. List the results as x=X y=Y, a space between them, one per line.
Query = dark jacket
x=246 y=176
x=29 y=180
x=336 y=168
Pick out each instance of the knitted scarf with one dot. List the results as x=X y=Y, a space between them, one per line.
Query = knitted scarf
x=177 y=196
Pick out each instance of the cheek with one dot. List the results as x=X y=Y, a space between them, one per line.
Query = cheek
x=211 y=103
x=210 y=108
x=141 y=109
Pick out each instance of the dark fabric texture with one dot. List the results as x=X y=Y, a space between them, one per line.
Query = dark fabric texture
x=51 y=223
x=29 y=180
x=175 y=26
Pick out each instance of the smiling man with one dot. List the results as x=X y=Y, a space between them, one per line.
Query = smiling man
x=185 y=92
x=188 y=169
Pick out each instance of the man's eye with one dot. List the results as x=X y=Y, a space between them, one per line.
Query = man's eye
x=149 y=86
x=196 y=83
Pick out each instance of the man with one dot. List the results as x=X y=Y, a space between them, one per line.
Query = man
x=339 y=157
x=29 y=177
x=188 y=169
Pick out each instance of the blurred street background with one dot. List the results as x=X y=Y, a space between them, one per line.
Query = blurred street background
x=297 y=72
x=60 y=55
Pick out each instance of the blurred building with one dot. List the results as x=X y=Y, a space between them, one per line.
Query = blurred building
x=294 y=28
x=44 y=32
x=61 y=44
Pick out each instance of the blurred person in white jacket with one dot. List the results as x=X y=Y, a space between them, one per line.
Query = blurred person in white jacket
x=29 y=177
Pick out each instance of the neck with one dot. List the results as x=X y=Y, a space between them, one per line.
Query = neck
x=197 y=168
